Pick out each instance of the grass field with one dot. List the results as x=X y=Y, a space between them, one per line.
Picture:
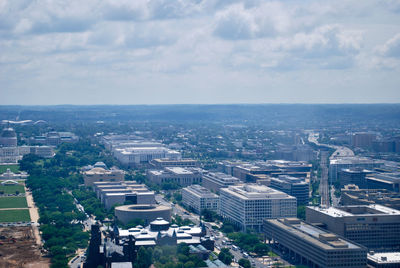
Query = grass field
x=13 y=202
x=12 y=189
x=14 y=215
x=13 y=168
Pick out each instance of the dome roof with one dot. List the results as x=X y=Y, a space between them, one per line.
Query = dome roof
x=8 y=133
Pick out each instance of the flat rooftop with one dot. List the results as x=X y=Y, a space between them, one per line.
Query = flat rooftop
x=350 y=211
x=256 y=192
x=385 y=257
x=318 y=237
x=200 y=191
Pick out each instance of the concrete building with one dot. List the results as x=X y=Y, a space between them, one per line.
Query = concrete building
x=247 y=205
x=199 y=198
x=100 y=173
x=177 y=175
x=375 y=227
x=132 y=156
x=54 y=138
x=336 y=165
x=389 y=181
x=296 y=187
x=363 y=139
x=8 y=138
x=383 y=259
x=166 y=162
x=13 y=154
x=9 y=175
x=121 y=192
x=355 y=176
x=147 y=213
x=353 y=195
x=214 y=181
x=308 y=245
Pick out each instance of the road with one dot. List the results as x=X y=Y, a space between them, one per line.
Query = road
x=341 y=151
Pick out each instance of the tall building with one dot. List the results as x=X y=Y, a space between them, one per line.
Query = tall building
x=177 y=175
x=374 y=226
x=247 y=205
x=296 y=187
x=363 y=139
x=199 y=198
x=100 y=173
x=214 y=181
x=308 y=245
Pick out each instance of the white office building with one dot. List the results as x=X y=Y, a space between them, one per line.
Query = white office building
x=131 y=156
x=199 y=198
x=247 y=205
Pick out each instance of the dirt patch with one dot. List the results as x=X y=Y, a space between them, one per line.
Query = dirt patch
x=18 y=249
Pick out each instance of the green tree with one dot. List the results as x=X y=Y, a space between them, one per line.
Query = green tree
x=245 y=263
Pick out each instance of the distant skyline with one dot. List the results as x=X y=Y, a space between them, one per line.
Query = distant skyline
x=199 y=52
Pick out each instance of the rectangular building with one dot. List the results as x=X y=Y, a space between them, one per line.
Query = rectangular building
x=132 y=156
x=337 y=164
x=177 y=175
x=296 y=187
x=374 y=226
x=308 y=245
x=166 y=162
x=214 y=181
x=247 y=205
x=199 y=198
x=100 y=173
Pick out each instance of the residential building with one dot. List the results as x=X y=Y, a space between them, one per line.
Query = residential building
x=177 y=175
x=363 y=139
x=313 y=247
x=247 y=205
x=297 y=187
x=199 y=198
x=214 y=181
x=374 y=226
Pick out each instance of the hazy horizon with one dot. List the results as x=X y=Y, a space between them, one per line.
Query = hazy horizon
x=199 y=52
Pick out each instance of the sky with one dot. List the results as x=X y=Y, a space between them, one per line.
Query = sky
x=194 y=51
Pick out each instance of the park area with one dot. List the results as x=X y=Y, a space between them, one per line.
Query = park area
x=15 y=215
x=13 y=168
x=13 y=202
x=12 y=189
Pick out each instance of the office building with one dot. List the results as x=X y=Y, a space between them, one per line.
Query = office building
x=296 y=187
x=214 y=181
x=166 y=162
x=363 y=139
x=355 y=176
x=176 y=175
x=54 y=138
x=13 y=154
x=133 y=156
x=386 y=180
x=100 y=173
x=383 y=259
x=313 y=247
x=374 y=226
x=199 y=198
x=353 y=195
x=336 y=165
x=247 y=205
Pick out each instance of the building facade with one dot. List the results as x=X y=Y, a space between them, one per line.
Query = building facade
x=199 y=198
x=308 y=245
x=374 y=226
x=296 y=187
x=100 y=173
x=177 y=175
x=247 y=205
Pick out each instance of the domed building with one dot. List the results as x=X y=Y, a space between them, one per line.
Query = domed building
x=8 y=138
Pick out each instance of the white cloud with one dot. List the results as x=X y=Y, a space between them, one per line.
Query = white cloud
x=391 y=48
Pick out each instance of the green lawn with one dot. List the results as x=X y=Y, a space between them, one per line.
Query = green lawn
x=13 y=168
x=13 y=202
x=12 y=189
x=14 y=215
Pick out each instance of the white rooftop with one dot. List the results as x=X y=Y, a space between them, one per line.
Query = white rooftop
x=385 y=257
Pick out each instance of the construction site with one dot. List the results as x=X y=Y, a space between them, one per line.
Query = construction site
x=18 y=248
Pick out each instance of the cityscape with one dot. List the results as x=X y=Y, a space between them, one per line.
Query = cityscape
x=210 y=191
x=199 y=133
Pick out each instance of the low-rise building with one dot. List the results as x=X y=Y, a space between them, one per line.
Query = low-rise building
x=247 y=205
x=199 y=198
x=308 y=245
x=133 y=156
x=177 y=175
x=166 y=162
x=374 y=226
x=100 y=173
x=383 y=259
